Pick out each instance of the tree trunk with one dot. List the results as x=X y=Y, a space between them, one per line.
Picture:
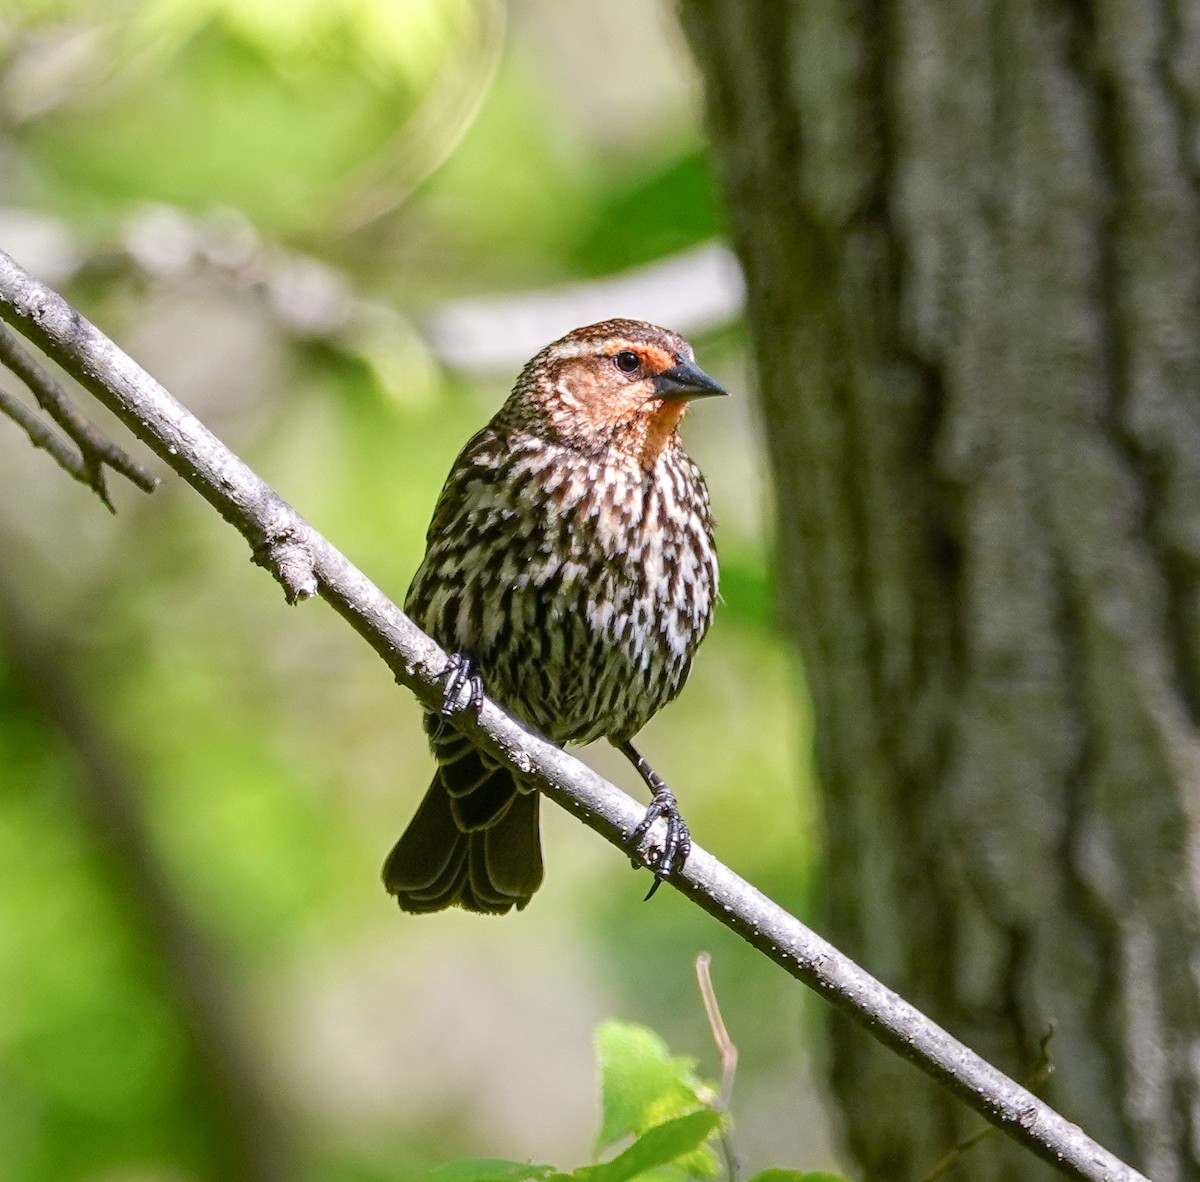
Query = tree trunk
x=972 y=243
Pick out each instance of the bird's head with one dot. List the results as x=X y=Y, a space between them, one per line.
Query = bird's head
x=620 y=384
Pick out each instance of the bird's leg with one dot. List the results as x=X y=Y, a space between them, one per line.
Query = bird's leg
x=678 y=843
x=460 y=672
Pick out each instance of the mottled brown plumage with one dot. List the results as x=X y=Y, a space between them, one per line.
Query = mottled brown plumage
x=570 y=562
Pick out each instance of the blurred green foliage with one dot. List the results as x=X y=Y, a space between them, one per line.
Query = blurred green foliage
x=262 y=106
x=284 y=1020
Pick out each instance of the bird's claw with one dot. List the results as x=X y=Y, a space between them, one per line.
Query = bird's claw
x=460 y=672
x=678 y=843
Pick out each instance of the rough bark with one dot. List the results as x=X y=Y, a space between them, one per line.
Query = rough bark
x=972 y=243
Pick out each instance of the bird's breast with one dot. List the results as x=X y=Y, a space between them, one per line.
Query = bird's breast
x=591 y=586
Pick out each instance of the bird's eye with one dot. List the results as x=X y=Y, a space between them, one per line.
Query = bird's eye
x=627 y=361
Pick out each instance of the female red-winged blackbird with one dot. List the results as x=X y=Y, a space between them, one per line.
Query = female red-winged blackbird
x=570 y=566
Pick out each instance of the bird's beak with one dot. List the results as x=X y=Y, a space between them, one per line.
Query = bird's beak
x=685 y=380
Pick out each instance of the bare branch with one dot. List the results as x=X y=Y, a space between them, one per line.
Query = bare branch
x=94 y=450
x=1041 y=1072
x=40 y=435
x=724 y=1044
x=302 y=560
x=728 y=1051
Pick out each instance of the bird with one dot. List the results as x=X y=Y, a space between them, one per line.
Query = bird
x=571 y=570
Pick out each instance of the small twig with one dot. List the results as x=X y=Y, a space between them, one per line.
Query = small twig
x=958 y=1153
x=725 y=1045
x=726 y=1048
x=1042 y=1069
x=94 y=450
x=40 y=435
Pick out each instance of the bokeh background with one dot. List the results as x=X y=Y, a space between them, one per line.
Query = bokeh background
x=335 y=231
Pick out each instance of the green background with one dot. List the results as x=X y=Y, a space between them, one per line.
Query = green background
x=276 y=208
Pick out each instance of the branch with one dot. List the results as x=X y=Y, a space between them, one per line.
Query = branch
x=42 y=436
x=305 y=563
x=728 y=1051
x=94 y=450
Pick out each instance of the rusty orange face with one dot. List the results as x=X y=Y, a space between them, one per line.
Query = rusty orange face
x=619 y=384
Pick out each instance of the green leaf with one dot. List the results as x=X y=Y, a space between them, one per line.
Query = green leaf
x=641 y=1083
x=484 y=1169
x=659 y=1146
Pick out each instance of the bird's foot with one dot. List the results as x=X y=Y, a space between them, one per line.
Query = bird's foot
x=673 y=853
x=459 y=674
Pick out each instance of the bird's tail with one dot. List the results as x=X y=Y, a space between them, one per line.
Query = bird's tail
x=474 y=841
